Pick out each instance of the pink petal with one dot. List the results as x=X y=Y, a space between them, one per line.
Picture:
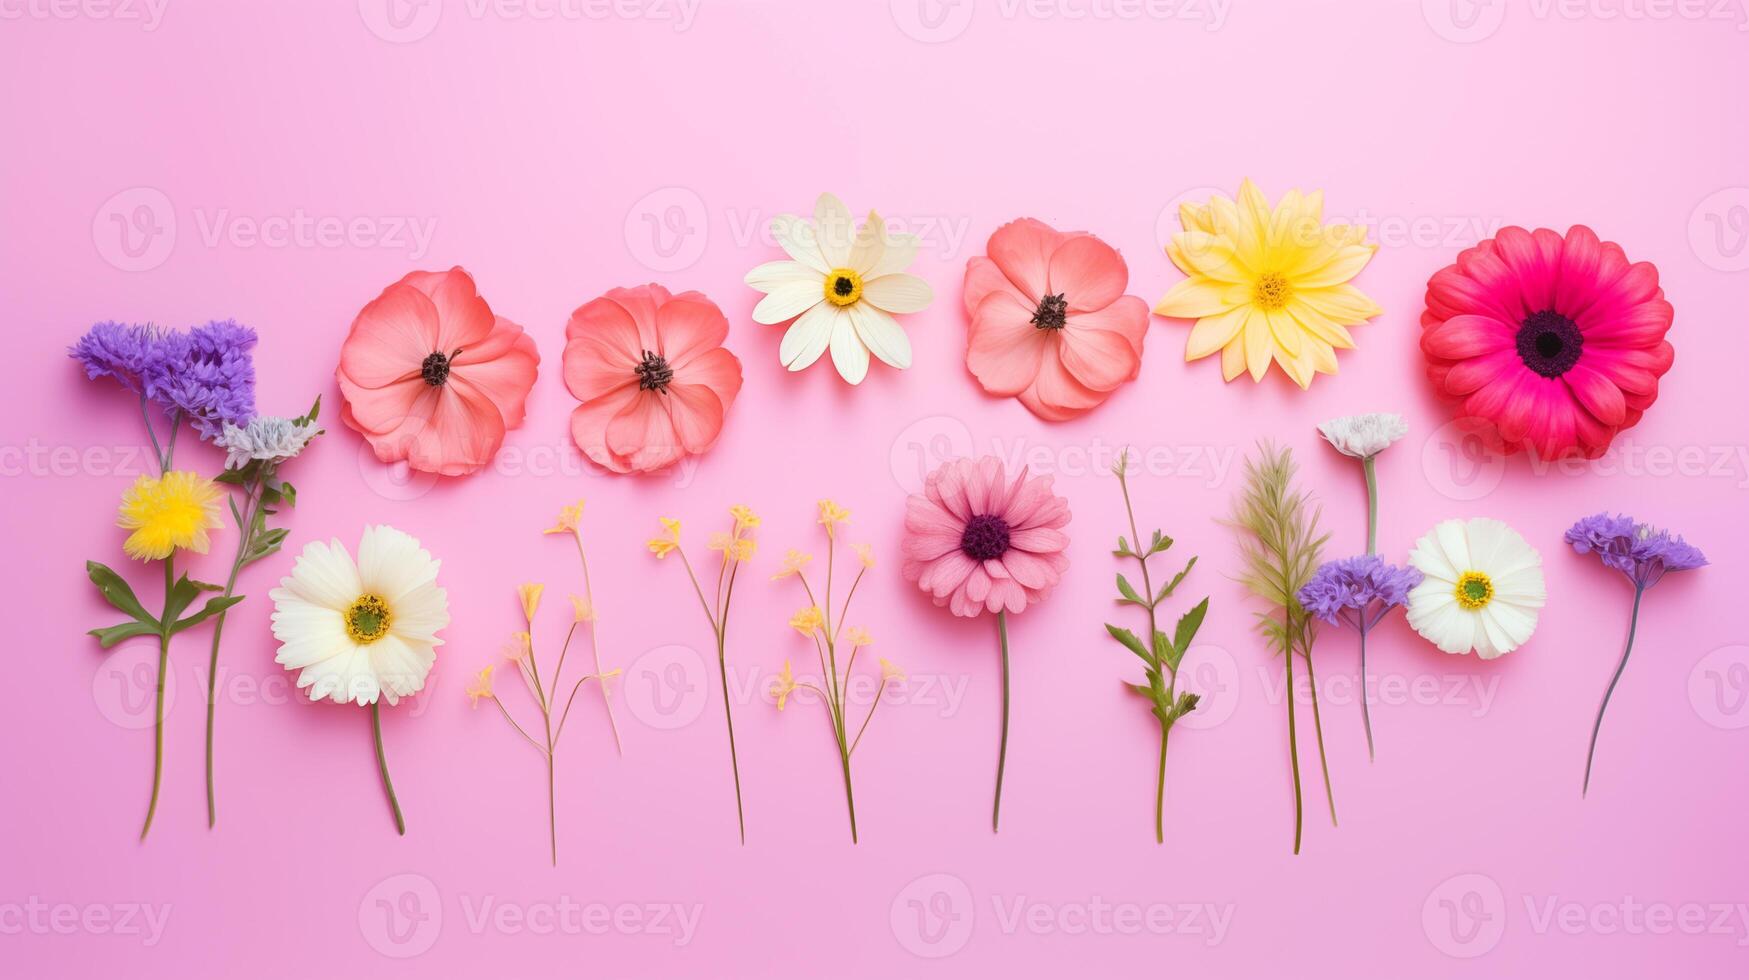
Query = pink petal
x=506 y=379
x=1038 y=540
x=1088 y=273
x=697 y=416
x=1597 y=393
x=1098 y=358
x=390 y=338
x=984 y=277
x=1022 y=250
x=463 y=318
x=1056 y=395
x=644 y=434
x=1003 y=348
x=589 y=422
x=1467 y=336
x=689 y=325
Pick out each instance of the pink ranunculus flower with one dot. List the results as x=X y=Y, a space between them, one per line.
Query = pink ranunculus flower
x=431 y=376
x=652 y=374
x=1050 y=322
x=1548 y=341
x=977 y=542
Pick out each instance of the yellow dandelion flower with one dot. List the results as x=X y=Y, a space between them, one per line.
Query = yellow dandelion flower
x=808 y=621
x=889 y=672
x=856 y=636
x=670 y=539
x=744 y=517
x=865 y=554
x=832 y=515
x=582 y=610
x=529 y=593
x=1268 y=284
x=172 y=511
x=570 y=516
x=793 y=561
x=480 y=686
x=783 y=685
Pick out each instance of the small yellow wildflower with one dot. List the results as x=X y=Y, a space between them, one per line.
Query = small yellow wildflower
x=582 y=611
x=808 y=621
x=856 y=636
x=889 y=672
x=783 y=685
x=744 y=517
x=569 y=517
x=865 y=554
x=480 y=687
x=529 y=593
x=172 y=511
x=832 y=515
x=670 y=540
x=517 y=647
x=793 y=561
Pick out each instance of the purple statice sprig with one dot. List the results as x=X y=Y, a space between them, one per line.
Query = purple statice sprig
x=1642 y=554
x=1358 y=592
x=204 y=375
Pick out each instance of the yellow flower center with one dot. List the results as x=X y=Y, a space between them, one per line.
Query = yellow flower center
x=1474 y=590
x=843 y=287
x=367 y=620
x=1271 y=291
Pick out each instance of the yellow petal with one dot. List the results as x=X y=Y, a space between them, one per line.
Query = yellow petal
x=1257 y=344
x=1193 y=299
x=1233 y=359
x=1285 y=331
x=1319 y=325
x=1343 y=266
x=1342 y=303
x=1212 y=333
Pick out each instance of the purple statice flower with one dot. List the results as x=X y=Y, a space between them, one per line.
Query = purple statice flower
x=134 y=354
x=1640 y=552
x=209 y=376
x=1357 y=591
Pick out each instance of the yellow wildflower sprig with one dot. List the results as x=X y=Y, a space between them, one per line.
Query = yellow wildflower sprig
x=737 y=546
x=829 y=635
x=520 y=650
x=583 y=608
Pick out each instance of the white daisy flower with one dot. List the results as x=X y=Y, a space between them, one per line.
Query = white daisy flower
x=364 y=630
x=1364 y=436
x=1482 y=591
x=841 y=286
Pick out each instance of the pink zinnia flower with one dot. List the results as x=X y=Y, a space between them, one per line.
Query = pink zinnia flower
x=652 y=374
x=1050 y=322
x=976 y=542
x=1556 y=343
x=429 y=375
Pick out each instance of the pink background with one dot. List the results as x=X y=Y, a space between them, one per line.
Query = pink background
x=557 y=157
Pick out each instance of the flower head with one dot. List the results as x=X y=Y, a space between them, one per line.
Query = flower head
x=169 y=512
x=1482 y=590
x=1549 y=341
x=212 y=384
x=1050 y=323
x=432 y=376
x=793 y=561
x=841 y=286
x=890 y=672
x=516 y=648
x=1364 y=436
x=976 y=541
x=1640 y=552
x=529 y=594
x=1357 y=591
x=1268 y=284
x=582 y=610
x=857 y=636
x=808 y=621
x=783 y=684
x=364 y=630
x=832 y=515
x=480 y=686
x=132 y=354
x=269 y=438
x=745 y=519
x=653 y=377
x=570 y=516
x=864 y=554
x=669 y=540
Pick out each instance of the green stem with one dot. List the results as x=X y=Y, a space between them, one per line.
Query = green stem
x=729 y=717
x=376 y=728
x=212 y=670
x=1318 y=726
x=158 y=711
x=849 y=797
x=1633 y=625
x=552 y=808
x=1002 y=751
x=1372 y=505
x=1365 y=699
x=1160 y=792
x=1293 y=747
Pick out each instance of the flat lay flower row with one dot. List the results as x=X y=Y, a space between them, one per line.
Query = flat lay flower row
x=1543 y=342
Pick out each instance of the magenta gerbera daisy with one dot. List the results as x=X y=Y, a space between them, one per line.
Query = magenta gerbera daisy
x=1550 y=342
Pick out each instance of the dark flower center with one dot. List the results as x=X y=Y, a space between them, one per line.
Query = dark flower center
x=654 y=374
x=1549 y=343
x=1052 y=312
x=435 y=368
x=985 y=537
x=842 y=286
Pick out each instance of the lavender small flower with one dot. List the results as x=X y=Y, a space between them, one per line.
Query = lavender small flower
x=132 y=354
x=1358 y=592
x=213 y=380
x=1639 y=551
x=265 y=437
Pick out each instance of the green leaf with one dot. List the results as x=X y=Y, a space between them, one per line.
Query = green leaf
x=118 y=593
x=1123 y=548
x=1160 y=543
x=315 y=410
x=1128 y=592
x=1187 y=626
x=1164 y=652
x=1142 y=689
x=182 y=595
x=213 y=607
x=1172 y=586
x=1128 y=639
x=265 y=543
x=115 y=634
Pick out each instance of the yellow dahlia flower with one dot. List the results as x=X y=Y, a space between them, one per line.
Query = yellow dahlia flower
x=168 y=512
x=1268 y=283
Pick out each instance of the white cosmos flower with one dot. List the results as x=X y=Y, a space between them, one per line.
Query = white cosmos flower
x=364 y=630
x=841 y=285
x=1362 y=436
x=1483 y=589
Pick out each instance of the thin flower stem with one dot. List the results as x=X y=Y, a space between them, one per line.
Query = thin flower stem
x=519 y=729
x=586 y=678
x=158 y=711
x=709 y=612
x=1597 y=726
x=1159 y=667
x=1002 y=750
x=1160 y=790
x=1372 y=505
x=1365 y=699
x=595 y=646
x=1318 y=727
x=376 y=729
x=246 y=523
x=728 y=713
x=552 y=810
x=849 y=795
x=559 y=668
x=146 y=413
x=865 y=718
x=1293 y=747
x=844 y=610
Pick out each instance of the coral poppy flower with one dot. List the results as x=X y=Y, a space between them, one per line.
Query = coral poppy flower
x=652 y=374
x=975 y=541
x=1050 y=323
x=431 y=376
x=1553 y=342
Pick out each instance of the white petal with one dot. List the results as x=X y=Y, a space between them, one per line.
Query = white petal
x=901 y=251
x=1514 y=623
x=1452 y=541
x=900 y=292
x=771 y=275
x=833 y=231
x=400 y=667
x=807 y=337
x=796 y=237
x=418 y=615
x=869 y=246
x=788 y=301
x=882 y=335
x=325 y=575
x=307 y=633
x=391 y=563
x=849 y=355
x=1523 y=587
